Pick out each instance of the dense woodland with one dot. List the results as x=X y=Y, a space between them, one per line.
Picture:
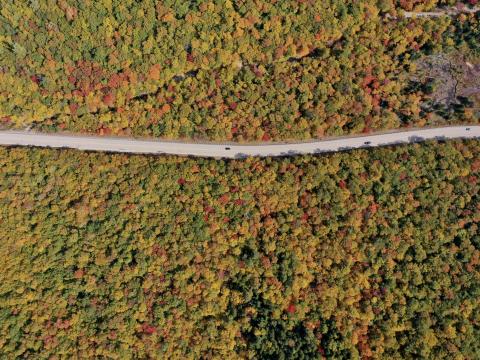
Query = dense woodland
x=240 y=70
x=371 y=254
x=364 y=254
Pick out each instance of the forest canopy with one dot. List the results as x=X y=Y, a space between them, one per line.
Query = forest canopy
x=240 y=70
x=363 y=254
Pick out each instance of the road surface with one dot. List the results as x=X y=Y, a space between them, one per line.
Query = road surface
x=441 y=12
x=451 y=11
x=231 y=150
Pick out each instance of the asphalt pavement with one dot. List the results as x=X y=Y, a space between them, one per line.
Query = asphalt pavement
x=232 y=150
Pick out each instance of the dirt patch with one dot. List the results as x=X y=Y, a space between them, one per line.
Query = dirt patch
x=449 y=79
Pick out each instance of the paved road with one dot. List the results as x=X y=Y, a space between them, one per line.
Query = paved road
x=449 y=12
x=231 y=150
x=439 y=12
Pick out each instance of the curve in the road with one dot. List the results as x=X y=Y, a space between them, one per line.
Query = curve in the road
x=232 y=150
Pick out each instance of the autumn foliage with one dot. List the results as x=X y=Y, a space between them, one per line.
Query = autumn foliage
x=364 y=254
x=248 y=70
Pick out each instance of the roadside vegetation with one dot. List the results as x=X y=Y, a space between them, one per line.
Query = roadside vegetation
x=364 y=254
x=223 y=70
